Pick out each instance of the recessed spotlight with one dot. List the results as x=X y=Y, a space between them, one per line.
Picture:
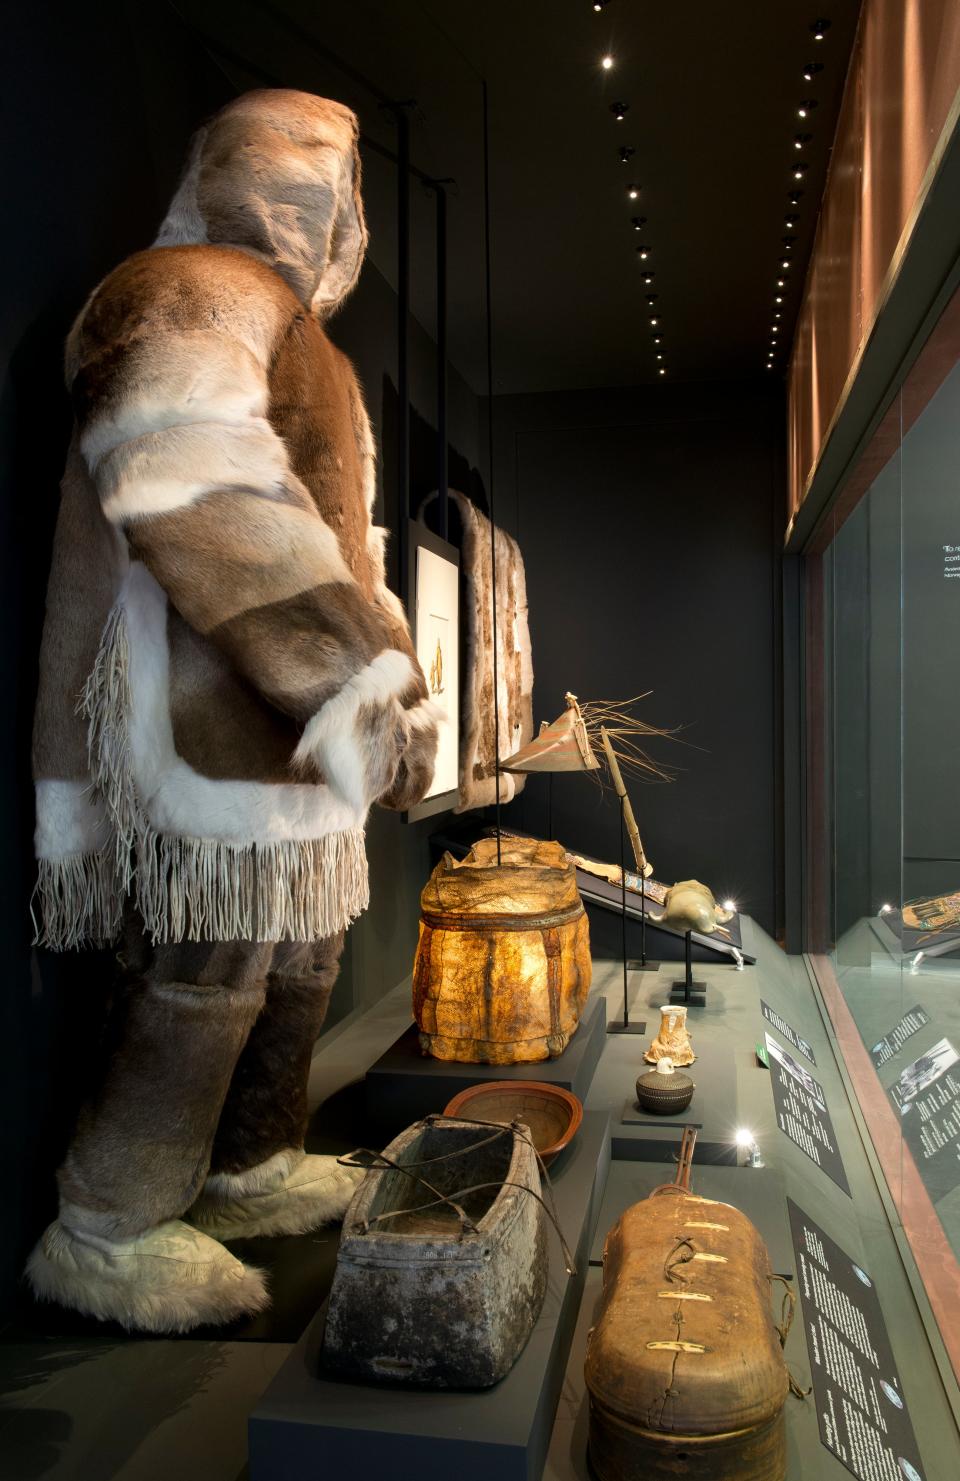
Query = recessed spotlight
x=619 y=111
x=648 y=278
x=819 y=28
x=599 y=4
x=659 y=356
x=652 y=297
x=778 y=315
x=606 y=63
x=654 y=322
x=638 y=222
x=663 y=370
x=790 y=221
x=625 y=153
x=806 y=107
x=643 y=253
x=788 y=243
x=810 y=70
x=781 y=283
x=801 y=140
x=785 y=264
x=658 y=339
x=633 y=192
x=793 y=196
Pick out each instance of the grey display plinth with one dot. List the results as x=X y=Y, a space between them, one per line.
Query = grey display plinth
x=406 y=1084
x=642 y=1137
x=306 y=1426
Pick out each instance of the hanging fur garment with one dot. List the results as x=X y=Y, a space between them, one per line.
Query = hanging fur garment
x=226 y=683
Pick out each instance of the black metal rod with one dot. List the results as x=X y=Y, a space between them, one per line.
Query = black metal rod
x=643 y=919
x=493 y=527
x=442 y=455
x=403 y=329
x=623 y=910
x=550 y=805
x=689 y=961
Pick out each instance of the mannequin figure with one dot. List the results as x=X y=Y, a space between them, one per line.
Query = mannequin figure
x=248 y=688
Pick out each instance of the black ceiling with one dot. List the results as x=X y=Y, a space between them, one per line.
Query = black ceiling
x=713 y=92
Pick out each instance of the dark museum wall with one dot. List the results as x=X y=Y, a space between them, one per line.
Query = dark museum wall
x=91 y=160
x=649 y=525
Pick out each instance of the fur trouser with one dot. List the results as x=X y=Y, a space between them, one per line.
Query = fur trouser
x=206 y=1057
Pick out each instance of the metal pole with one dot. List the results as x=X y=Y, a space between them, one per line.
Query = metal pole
x=403 y=331
x=493 y=527
x=623 y=911
x=442 y=459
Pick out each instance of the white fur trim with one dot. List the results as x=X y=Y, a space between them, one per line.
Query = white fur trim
x=70 y=820
x=143 y=1290
x=260 y=1179
x=427 y=714
x=178 y=799
x=329 y=739
x=316 y=1191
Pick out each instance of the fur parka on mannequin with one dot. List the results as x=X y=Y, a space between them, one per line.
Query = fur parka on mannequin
x=247 y=685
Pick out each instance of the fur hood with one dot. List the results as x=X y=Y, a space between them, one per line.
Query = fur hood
x=277 y=174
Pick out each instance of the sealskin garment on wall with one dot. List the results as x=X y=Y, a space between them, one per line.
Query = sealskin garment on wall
x=226 y=683
x=478 y=783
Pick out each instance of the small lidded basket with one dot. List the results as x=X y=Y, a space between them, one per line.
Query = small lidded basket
x=664 y=1091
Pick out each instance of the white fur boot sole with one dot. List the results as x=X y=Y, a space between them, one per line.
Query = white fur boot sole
x=170 y=1279
x=289 y=1194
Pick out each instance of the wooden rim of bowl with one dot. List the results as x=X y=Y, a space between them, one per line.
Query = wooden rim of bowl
x=572 y=1103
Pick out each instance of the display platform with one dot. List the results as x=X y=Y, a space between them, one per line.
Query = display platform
x=643 y=1137
x=663 y=942
x=306 y=1425
x=405 y=1084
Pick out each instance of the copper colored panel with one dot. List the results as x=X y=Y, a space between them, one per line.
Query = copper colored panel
x=903 y=80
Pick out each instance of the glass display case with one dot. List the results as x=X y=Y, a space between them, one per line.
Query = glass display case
x=882 y=899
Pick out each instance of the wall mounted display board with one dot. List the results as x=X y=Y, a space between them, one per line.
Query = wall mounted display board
x=433 y=604
x=784 y=1029
x=893 y=1041
x=802 y=1114
x=861 y=1409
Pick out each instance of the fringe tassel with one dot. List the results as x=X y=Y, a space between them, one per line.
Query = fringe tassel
x=185 y=888
x=76 y=902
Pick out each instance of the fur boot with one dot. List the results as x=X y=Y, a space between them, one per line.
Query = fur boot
x=170 y=1279
x=290 y=1193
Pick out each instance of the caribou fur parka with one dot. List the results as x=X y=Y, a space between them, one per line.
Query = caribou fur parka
x=226 y=682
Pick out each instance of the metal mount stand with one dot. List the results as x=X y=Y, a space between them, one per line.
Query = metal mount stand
x=688 y=991
x=624 y=1026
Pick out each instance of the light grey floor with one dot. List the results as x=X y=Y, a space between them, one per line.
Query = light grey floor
x=88 y=1409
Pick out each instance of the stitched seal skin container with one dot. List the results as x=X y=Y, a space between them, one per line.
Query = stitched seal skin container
x=437 y=1286
x=684 y=1367
x=503 y=968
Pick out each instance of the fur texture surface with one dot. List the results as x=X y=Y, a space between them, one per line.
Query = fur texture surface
x=222 y=478
x=204 y=1071
x=514 y=660
x=313 y=1191
x=171 y=1280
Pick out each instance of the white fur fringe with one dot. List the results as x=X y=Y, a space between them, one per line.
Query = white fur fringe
x=185 y=888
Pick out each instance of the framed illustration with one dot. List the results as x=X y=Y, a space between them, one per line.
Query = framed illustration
x=433 y=605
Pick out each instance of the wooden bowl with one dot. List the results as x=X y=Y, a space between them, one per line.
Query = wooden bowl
x=552 y=1114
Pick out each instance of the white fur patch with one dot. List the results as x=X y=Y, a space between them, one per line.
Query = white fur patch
x=157 y=472
x=177 y=379
x=425 y=715
x=263 y=1178
x=177 y=799
x=69 y=820
x=329 y=738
